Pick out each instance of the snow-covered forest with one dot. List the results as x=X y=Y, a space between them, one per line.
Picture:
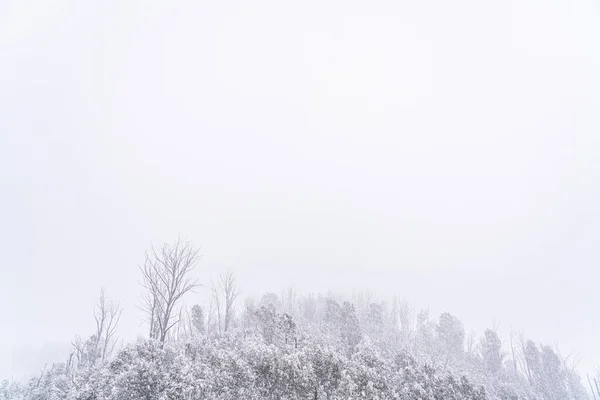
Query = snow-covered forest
x=291 y=346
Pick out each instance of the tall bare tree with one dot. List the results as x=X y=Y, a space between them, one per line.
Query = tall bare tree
x=289 y=300
x=107 y=316
x=594 y=385
x=101 y=344
x=224 y=294
x=513 y=352
x=471 y=343
x=167 y=278
x=525 y=360
x=570 y=363
x=210 y=315
x=406 y=320
x=215 y=306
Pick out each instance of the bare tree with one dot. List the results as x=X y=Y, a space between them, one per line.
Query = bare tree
x=471 y=343
x=594 y=385
x=210 y=315
x=78 y=349
x=289 y=300
x=216 y=305
x=513 y=353
x=526 y=367
x=101 y=344
x=231 y=292
x=591 y=387
x=570 y=364
x=107 y=315
x=166 y=278
x=224 y=295
x=406 y=319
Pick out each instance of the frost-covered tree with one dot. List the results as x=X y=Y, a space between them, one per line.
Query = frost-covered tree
x=197 y=319
x=351 y=330
x=375 y=318
x=11 y=390
x=271 y=299
x=451 y=337
x=100 y=345
x=224 y=294
x=491 y=353
x=167 y=277
x=533 y=364
x=554 y=381
x=426 y=339
x=267 y=319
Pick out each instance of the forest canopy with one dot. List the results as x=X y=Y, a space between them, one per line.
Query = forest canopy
x=288 y=346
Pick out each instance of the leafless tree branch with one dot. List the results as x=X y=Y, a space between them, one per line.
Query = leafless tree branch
x=166 y=278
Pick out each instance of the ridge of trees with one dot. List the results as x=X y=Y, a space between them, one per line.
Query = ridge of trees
x=289 y=346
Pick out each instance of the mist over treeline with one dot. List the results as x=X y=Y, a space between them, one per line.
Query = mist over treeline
x=291 y=346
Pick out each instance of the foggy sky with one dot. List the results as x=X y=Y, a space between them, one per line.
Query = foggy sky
x=444 y=152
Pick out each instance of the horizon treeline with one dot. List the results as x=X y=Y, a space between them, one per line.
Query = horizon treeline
x=291 y=346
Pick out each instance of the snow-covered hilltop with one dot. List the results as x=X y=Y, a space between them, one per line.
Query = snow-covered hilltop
x=310 y=348
x=292 y=347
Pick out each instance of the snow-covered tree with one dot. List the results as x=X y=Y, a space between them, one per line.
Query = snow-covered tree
x=491 y=353
x=197 y=319
x=167 y=277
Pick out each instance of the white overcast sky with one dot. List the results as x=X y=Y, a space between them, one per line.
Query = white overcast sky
x=444 y=151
